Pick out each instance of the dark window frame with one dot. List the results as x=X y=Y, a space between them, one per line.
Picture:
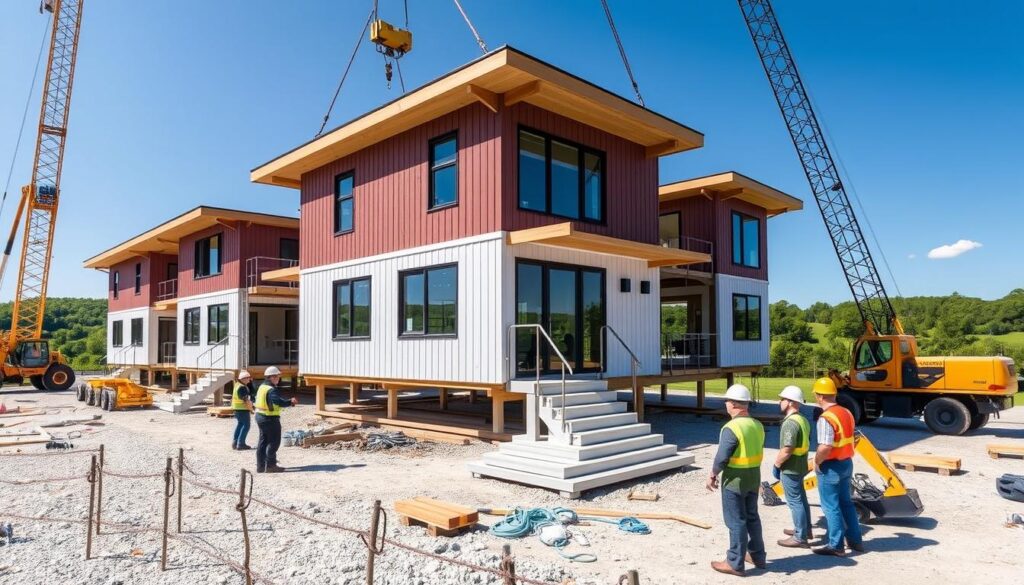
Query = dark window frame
x=679 y=225
x=281 y=251
x=583 y=150
x=425 y=272
x=335 y=334
x=743 y=217
x=116 y=284
x=138 y=278
x=338 y=198
x=196 y=275
x=746 y=317
x=186 y=338
x=117 y=333
x=210 y=323
x=432 y=168
x=142 y=332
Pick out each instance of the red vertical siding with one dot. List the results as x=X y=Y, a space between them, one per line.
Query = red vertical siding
x=264 y=240
x=231 y=267
x=697 y=216
x=631 y=195
x=126 y=298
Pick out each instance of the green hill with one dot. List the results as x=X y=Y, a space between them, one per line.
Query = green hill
x=76 y=327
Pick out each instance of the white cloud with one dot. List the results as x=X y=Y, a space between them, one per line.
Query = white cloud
x=953 y=250
x=911 y=256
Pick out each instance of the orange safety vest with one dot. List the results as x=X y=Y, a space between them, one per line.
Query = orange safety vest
x=843 y=424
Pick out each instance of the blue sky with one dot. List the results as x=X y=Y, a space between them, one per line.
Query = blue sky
x=175 y=101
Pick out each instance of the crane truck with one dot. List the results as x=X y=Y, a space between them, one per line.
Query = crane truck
x=887 y=377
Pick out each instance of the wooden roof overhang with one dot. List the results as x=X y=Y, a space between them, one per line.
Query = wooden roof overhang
x=564 y=235
x=164 y=238
x=732 y=185
x=501 y=78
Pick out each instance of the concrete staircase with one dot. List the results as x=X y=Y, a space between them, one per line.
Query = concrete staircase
x=195 y=394
x=129 y=372
x=599 y=444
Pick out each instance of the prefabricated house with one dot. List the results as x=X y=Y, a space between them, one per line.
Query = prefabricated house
x=497 y=232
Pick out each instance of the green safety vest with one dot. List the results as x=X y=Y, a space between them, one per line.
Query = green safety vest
x=236 y=401
x=750 y=434
x=805 y=431
x=261 y=402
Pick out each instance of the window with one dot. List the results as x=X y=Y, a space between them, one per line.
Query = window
x=444 y=171
x=138 y=277
x=137 y=331
x=746 y=240
x=216 y=323
x=352 y=308
x=344 y=210
x=191 y=333
x=560 y=178
x=288 y=249
x=873 y=353
x=669 y=229
x=208 y=256
x=117 y=333
x=428 y=301
x=116 y=285
x=746 y=317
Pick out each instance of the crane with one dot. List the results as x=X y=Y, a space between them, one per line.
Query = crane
x=887 y=377
x=23 y=351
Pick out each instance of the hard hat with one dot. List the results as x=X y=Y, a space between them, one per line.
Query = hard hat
x=243 y=375
x=793 y=394
x=272 y=371
x=825 y=387
x=738 y=393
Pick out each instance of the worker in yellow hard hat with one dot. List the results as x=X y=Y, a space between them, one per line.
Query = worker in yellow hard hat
x=791 y=466
x=833 y=462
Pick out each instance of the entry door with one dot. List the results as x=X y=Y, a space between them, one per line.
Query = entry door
x=167 y=333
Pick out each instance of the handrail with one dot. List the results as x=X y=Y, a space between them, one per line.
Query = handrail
x=538 y=331
x=167 y=289
x=703 y=340
x=638 y=395
x=291 y=348
x=254 y=276
x=173 y=354
x=223 y=344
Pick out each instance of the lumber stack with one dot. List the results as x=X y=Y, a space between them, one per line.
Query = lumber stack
x=220 y=411
x=997 y=450
x=944 y=465
x=440 y=518
x=332 y=435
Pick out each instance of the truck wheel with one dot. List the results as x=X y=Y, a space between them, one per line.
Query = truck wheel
x=37 y=381
x=80 y=393
x=58 y=377
x=947 y=416
x=112 y=400
x=851 y=403
x=978 y=421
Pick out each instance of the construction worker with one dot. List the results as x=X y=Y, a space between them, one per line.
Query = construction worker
x=833 y=462
x=791 y=466
x=268 y=419
x=241 y=404
x=740 y=450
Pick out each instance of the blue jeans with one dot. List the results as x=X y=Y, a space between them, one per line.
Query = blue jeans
x=837 y=503
x=796 y=499
x=243 y=420
x=744 y=524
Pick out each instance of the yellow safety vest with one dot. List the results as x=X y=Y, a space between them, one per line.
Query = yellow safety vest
x=236 y=401
x=805 y=431
x=261 y=402
x=750 y=434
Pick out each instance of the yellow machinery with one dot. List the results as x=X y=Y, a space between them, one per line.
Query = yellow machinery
x=394 y=41
x=114 y=393
x=895 y=501
x=23 y=351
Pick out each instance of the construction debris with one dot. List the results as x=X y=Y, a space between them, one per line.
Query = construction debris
x=440 y=518
x=943 y=465
x=329 y=438
x=388 y=440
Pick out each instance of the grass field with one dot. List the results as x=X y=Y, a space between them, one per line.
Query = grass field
x=769 y=387
x=818 y=329
x=1012 y=338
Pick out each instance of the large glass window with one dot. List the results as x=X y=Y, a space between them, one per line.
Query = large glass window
x=444 y=171
x=669 y=230
x=208 y=256
x=429 y=301
x=137 y=331
x=117 y=333
x=191 y=332
x=746 y=317
x=344 y=204
x=288 y=249
x=560 y=178
x=746 y=240
x=216 y=323
x=352 y=308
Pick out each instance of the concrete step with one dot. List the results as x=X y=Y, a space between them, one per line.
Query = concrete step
x=568 y=469
x=553 y=387
x=574 y=487
x=600 y=422
x=577 y=398
x=588 y=410
x=610 y=434
x=549 y=451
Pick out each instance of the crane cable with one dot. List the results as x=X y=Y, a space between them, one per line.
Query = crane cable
x=24 y=115
x=472 y=29
x=355 y=49
x=622 y=52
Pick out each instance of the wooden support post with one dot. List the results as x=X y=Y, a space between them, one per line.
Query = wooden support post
x=91 y=478
x=99 y=490
x=664 y=392
x=241 y=506
x=181 y=479
x=321 y=397
x=353 y=393
x=497 y=414
x=371 y=542
x=701 y=389
x=508 y=565
x=168 y=492
x=174 y=380
x=392 y=402
x=638 y=401
x=730 y=379
x=442 y=395
x=472 y=396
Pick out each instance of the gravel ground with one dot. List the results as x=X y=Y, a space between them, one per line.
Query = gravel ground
x=960 y=536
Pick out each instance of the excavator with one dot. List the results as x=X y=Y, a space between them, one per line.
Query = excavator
x=887 y=377
x=24 y=353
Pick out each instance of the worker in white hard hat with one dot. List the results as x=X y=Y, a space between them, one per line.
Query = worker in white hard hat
x=791 y=466
x=268 y=418
x=241 y=404
x=740 y=450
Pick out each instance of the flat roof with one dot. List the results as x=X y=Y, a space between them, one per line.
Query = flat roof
x=732 y=185
x=504 y=76
x=164 y=238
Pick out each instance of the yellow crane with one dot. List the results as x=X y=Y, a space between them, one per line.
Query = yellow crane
x=23 y=351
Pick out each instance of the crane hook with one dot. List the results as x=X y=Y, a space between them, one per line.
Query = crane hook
x=387 y=72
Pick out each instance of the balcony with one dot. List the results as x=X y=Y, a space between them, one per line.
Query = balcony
x=166 y=294
x=700 y=271
x=265 y=275
x=688 y=352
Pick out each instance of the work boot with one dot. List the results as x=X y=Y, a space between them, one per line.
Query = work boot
x=859 y=547
x=751 y=560
x=274 y=469
x=260 y=470
x=724 y=567
x=829 y=551
x=791 y=532
x=792 y=542
x=243 y=447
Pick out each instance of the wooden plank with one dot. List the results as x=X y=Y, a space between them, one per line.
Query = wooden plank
x=486 y=97
x=220 y=411
x=341 y=427
x=466 y=515
x=521 y=93
x=427 y=513
x=997 y=450
x=414 y=424
x=430 y=435
x=911 y=462
x=330 y=438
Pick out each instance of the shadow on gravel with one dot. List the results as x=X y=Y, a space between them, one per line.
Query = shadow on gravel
x=899 y=542
x=323 y=467
x=805 y=562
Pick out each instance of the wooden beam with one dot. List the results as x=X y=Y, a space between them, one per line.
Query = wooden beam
x=477 y=433
x=730 y=194
x=286 y=182
x=486 y=97
x=230 y=224
x=514 y=96
x=442 y=395
x=353 y=392
x=497 y=414
x=392 y=402
x=656 y=150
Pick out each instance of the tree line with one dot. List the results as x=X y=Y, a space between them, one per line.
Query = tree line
x=76 y=327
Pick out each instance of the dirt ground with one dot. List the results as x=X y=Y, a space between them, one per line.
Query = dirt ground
x=960 y=536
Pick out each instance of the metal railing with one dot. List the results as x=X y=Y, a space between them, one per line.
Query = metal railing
x=688 y=351
x=168 y=352
x=291 y=350
x=694 y=245
x=257 y=265
x=167 y=289
x=538 y=332
x=212 y=359
x=638 y=394
x=121 y=355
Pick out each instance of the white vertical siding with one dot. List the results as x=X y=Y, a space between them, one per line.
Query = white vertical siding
x=634 y=316
x=189 y=355
x=740 y=353
x=142 y=355
x=474 y=356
